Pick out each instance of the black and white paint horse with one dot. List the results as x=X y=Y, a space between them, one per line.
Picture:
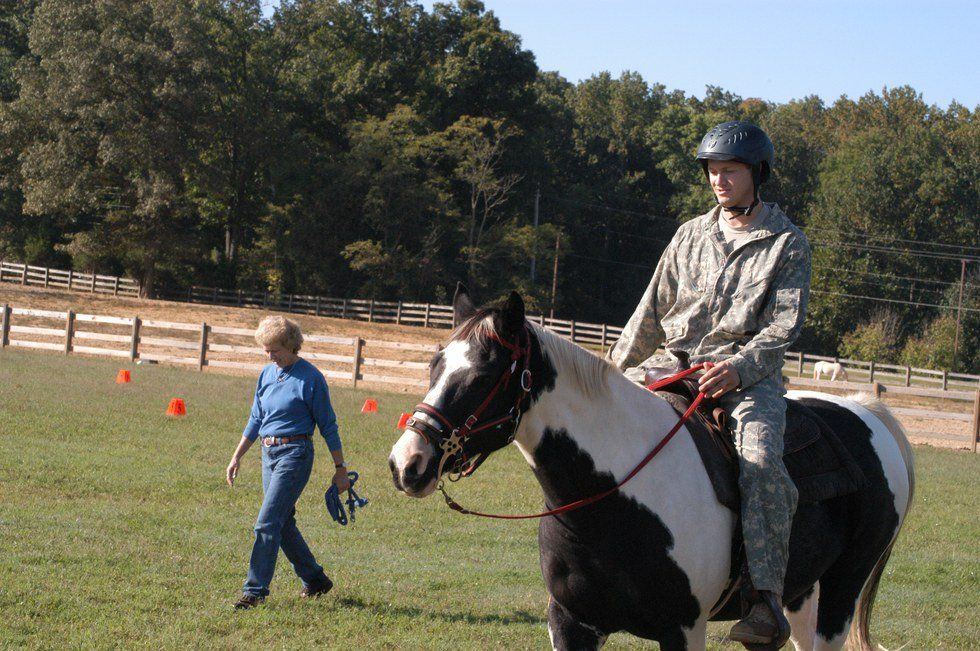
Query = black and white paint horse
x=652 y=558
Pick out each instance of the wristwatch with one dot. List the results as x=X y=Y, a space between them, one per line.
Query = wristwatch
x=342 y=464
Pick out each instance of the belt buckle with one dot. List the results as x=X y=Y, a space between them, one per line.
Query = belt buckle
x=268 y=441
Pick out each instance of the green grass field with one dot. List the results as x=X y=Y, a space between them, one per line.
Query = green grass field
x=117 y=530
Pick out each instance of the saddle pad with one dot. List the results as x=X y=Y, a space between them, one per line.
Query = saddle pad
x=817 y=461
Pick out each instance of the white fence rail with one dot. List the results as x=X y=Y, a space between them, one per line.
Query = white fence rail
x=23 y=274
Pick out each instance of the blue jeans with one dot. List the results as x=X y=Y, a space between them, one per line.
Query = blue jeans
x=286 y=469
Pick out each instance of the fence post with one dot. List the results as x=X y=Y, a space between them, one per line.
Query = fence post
x=877 y=389
x=239 y=298
x=541 y=319
x=115 y=286
x=70 y=274
x=202 y=360
x=398 y=314
x=371 y=311
x=358 y=347
x=69 y=331
x=5 y=327
x=92 y=287
x=571 y=330
x=317 y=308
x=343 y=310
x=603 y=344
x=134 y=343
x=289 y=303
x=976 y=422
x=23 y=275
x=871 y=372
x=945 y=380
x=799 y=364
x=214 y=296
x=45 y=277
x=908 y=376
x=427 y=307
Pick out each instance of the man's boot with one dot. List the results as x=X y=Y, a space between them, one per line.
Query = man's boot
x=765 y=626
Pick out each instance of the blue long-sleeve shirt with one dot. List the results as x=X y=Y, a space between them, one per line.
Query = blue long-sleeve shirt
x=290 y=401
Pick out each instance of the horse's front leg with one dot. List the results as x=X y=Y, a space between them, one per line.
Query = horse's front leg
x=568 y=634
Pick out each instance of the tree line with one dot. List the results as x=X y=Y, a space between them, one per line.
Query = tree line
x=374 y=148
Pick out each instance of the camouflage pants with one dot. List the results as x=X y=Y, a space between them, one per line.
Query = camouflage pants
x=758 y=417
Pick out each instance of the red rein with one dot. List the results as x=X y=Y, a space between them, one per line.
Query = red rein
x=571 y=506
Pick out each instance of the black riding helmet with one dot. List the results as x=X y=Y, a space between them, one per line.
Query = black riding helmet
x=740 y=141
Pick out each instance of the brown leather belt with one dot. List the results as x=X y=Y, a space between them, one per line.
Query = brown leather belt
x=269 y=441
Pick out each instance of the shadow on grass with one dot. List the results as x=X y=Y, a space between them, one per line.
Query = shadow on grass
x=518 y=617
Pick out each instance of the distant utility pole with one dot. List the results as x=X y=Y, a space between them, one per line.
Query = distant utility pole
x=959 y=313
x=534 y=235
x=554 y=276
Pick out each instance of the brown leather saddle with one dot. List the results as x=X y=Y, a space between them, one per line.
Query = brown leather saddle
x=816 y=459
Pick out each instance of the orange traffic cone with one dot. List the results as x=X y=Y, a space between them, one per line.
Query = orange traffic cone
x=177 y=407
x=370 y=406
x=123 y=377
x=403 y=421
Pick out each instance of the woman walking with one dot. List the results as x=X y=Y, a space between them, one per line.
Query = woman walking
x=290 y=398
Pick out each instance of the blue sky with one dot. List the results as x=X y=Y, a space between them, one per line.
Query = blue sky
x=769 y=49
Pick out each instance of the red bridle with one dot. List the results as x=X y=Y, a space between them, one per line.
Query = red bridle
x=600 y=496
x=453 y=444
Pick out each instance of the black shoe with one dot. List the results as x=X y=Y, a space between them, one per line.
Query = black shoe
x=248 y=601
x=317 y=588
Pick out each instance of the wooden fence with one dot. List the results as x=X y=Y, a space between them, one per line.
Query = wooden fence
x=431 y=315
x=24 y=274
x=427 y=315
x=354 y=359
x=200 y=345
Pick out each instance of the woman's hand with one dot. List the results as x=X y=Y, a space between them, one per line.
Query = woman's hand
x=341 y=480
x=719 y=379
x=232 y=471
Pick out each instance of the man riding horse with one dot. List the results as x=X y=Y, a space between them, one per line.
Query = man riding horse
x=731 y=290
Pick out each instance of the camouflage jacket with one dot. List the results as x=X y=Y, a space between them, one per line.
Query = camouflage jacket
x=747 y=306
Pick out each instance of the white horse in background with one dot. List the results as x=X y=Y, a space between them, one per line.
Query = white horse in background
x=833 y=370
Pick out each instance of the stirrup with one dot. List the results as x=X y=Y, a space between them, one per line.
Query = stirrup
x=781 y=637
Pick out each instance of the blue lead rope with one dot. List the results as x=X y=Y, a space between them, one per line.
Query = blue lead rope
x=336 y=507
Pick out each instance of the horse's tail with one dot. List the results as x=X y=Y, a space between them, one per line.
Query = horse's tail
x=859 y=637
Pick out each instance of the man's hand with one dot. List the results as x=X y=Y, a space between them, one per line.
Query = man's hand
x=719 y=379
x=341 y=480
x=232 y=471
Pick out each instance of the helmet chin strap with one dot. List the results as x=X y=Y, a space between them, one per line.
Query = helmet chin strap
x=744 y=210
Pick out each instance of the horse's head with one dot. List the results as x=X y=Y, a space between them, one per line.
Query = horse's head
x=479 y=387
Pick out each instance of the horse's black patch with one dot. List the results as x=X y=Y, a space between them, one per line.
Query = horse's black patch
x=866 y=521
x=608 y=563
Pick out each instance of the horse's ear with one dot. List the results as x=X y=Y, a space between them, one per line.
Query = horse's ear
x=512 y=315
x=463 y=307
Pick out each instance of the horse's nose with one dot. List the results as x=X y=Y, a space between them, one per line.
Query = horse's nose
x=413 y=469
x=394 y=473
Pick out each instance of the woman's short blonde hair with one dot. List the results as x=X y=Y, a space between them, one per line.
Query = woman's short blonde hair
x=279 y=330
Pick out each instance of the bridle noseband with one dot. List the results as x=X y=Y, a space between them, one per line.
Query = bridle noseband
x=432 y=425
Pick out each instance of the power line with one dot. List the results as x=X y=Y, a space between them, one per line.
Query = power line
x=914 y=253
x=625 y=211
x=608 y=260
x=890 y=239
x=891 y=300
x=889 y=277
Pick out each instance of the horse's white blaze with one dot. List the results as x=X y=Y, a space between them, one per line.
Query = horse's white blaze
x=617 y=431
x=412 y=448
x=884 y=444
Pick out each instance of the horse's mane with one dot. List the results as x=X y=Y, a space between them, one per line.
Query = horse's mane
x=588 y=371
